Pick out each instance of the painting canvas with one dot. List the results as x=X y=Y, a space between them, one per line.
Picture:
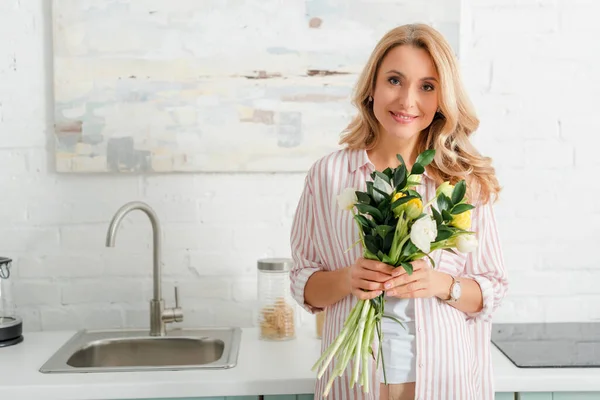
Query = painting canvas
x=220 y=86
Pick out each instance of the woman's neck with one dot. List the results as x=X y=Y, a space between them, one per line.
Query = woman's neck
x=384 y=155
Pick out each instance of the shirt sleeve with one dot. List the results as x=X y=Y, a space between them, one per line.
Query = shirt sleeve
x=485 y=265
x=303 y=249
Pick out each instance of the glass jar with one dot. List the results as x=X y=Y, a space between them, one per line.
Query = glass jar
x=277 y=308
x=11 y=326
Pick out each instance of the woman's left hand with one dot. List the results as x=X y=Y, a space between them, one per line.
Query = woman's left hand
x=424 y=282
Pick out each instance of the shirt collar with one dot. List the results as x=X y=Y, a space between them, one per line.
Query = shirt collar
x=360 y=159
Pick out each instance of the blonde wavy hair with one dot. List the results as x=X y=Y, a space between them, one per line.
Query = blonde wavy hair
x=456 y=158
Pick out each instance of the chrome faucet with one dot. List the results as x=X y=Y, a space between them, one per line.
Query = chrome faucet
x=159 y=316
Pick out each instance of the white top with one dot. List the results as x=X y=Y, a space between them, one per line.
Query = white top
x=263 y=368
x=398 y=346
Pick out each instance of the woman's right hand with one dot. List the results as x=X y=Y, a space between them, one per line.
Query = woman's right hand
x=368 y=275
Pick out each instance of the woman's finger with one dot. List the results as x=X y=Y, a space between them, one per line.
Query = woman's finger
x=362 y=295
x=370 y=275
x=376 y=266
x=368 y=285
x=404 y=279
x=408 y=289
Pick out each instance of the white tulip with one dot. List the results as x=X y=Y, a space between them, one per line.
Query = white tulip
x=466 y=243
x=423 y=232
x=347 y=199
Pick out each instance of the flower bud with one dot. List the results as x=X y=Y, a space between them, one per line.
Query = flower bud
x=445 y=188
x=462 y=220
x=414 y=208
x=466 y=243
x=347 y=199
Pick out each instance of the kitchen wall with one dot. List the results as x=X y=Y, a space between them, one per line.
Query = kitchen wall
x=528 y=65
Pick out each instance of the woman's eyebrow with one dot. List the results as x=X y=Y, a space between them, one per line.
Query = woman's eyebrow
x=428 y=78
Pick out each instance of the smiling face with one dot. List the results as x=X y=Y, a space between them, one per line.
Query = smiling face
x=405 y=99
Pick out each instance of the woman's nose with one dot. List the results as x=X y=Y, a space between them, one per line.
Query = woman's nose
x=407 y=98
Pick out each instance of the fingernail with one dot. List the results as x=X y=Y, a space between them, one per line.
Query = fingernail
x=387 y=285
x=390 y=293
x=379 y=292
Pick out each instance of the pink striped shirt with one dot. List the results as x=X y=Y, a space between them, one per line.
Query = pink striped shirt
x=453 y=348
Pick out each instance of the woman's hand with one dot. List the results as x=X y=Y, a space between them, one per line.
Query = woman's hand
x=424 y=282
x=368 y=275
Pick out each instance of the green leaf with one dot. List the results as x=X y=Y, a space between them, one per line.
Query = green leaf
x=393 y=319
x=443 y=234
x=399 y=157
x=451 y=251
x=459 y=191
x=383 y=230
x=387 y=242
x=401 y=201
x=384 y=205
x=446 y=216
x=407 y=267
x=426 y=157
x=363 y=197
x=371 y=244
x=370 y=188
x=444 y=202
x=431 y=261
x=383 y=194
x=363 y=221
x=400 y=177
x=389 y=173
x=369 y=255
x=386 y=259
x=413 y=193
x=417 y=169
x=367 y=209
x=382 y=176
x=409 y=249
x=461 y=208
x=437 y=216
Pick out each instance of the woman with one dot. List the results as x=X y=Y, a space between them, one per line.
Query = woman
x=410 y=98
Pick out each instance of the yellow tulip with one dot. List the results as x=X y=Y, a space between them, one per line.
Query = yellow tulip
x=462 y=220
x=397 y=196
x=412 y=208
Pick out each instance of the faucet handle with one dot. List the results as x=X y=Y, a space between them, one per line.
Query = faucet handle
x=174 y=314
x=176 y=297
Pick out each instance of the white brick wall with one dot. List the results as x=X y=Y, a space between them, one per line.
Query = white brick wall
x=530 y=69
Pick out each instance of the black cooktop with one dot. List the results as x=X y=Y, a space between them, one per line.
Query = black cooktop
x=549 y=345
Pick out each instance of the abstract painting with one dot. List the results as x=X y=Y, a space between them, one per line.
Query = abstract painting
x=214 y=86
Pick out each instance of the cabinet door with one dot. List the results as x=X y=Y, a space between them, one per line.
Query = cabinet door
x=210 y=398
x=291 y=397
x=576 y=396
x=534 y=396
x=504 y=396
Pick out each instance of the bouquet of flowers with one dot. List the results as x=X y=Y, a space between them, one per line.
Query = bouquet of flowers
x=394 y=228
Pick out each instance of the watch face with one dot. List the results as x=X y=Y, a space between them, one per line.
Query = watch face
x=456 y=291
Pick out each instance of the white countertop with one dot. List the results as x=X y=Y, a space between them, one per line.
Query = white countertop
x=263 y=368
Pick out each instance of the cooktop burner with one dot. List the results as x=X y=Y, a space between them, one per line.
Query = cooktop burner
x=549 y=345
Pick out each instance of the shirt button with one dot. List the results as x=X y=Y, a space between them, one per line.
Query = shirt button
x=420 y=329
x=421 y=365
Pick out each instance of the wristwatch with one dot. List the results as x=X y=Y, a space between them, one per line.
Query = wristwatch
x=455 y=290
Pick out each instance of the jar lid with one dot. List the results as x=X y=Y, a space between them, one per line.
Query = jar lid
x=275 y=264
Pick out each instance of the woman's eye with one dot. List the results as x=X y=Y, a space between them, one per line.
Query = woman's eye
x=394 y=81
x=428 y=88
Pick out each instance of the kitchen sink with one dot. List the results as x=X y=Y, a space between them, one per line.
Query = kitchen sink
x=135 y=350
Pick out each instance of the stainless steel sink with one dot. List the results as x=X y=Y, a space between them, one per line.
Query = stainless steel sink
x=135 y=350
